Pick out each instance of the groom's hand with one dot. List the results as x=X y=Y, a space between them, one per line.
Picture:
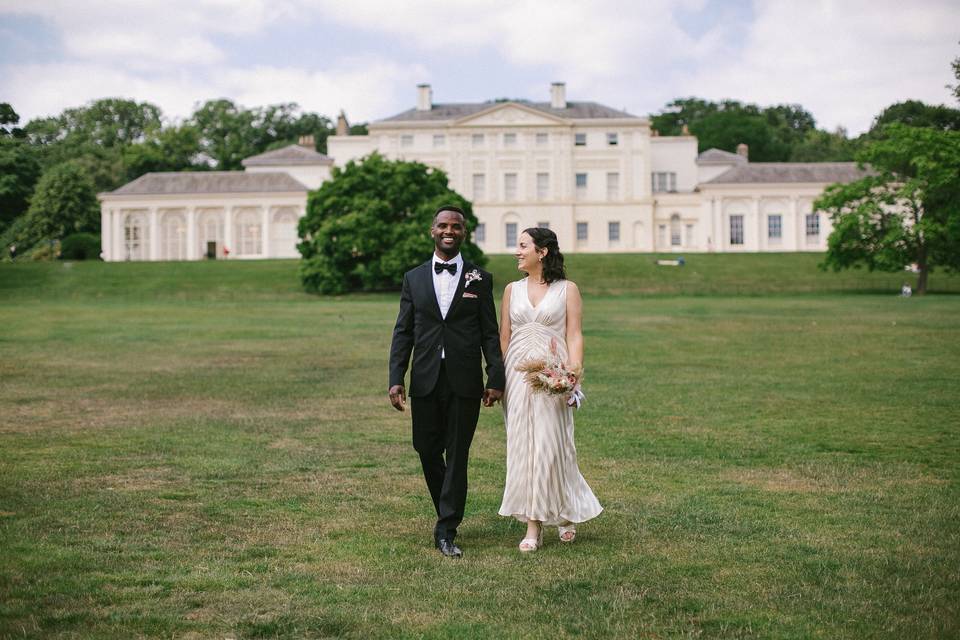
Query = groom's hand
x=398 y=397
x=491 y=397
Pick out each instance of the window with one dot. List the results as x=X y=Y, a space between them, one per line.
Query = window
x=581 y=231
x=613 y=231
x=249 y=232
x=479 y=186
x=510 y=187
x=675 y=239
x=542 y=139
x=580 y=139
x=690 y=241
x=661 y=235
x=476 y=140
x=173 y=237
x=543 y=186
x=813 y=225
x=612 y=139
x=543 y=225
x=480 y=233
x=736 y=229
x=774 y=226
x=664 y=181
x=509 y=139
x=406 y=141
x=613 y=186
x=581 y=182
x=439 y=140
x=511 y=232
x=136 y=237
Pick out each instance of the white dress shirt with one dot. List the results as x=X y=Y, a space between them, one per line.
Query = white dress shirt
x=445 y=285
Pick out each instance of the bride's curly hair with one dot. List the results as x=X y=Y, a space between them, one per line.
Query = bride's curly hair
x=552 y=262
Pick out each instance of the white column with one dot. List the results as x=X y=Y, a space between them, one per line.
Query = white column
x=119 y=240
x=154 y=235
x=755 y=210
x=192 y=233
x=265 y=235
x=714 y=236
x=105 y=232
x=797 y=227
x=227 y=232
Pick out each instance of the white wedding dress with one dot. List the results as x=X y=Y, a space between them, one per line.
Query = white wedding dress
x=543 y=480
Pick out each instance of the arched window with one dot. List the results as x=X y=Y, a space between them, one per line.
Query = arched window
x=136 y=237
x=249 y=233
x=173 y=236
x=676 y=238
x=210 y=232
x=283 y=233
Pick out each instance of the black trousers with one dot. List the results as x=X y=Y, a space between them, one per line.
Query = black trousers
x=443 y=428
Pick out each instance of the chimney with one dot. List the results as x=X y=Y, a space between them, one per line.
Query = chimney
x=343 y=128
x=743 y=150
x=424 y=97
x=558 y=95
x=307 y=141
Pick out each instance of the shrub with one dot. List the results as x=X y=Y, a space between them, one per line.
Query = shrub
x=80 y=246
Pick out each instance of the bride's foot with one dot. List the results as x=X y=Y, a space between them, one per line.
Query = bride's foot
x=534 y=539
x=568 y=533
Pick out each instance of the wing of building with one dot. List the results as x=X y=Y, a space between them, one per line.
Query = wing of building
x=598 y=176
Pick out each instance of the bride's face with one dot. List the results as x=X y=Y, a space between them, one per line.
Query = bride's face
x=528 y=256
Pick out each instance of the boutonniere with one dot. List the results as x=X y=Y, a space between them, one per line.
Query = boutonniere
x=471 y=276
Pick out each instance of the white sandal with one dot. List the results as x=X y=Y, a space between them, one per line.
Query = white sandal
x=570 y=530
x=532 y=544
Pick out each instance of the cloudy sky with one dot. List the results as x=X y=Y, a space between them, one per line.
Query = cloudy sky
x=843 y=60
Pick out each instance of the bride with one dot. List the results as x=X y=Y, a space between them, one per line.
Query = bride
x=540 y=312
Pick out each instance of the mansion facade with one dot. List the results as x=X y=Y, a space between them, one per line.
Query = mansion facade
x=601 y=178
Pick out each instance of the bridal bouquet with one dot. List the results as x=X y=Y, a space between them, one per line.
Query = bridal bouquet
x=551 y=375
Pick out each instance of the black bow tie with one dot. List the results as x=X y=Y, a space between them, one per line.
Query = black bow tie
x=443 y=266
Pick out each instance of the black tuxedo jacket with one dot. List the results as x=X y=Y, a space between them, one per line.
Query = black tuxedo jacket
x=469 y=329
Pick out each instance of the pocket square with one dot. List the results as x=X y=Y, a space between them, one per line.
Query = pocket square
x=467 y=294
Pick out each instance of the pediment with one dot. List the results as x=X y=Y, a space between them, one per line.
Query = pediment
x=510 y=113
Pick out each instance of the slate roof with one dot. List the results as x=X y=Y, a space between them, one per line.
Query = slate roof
x=455 y=110
x=291 y=154
x=719 y=156
x=187 y=182
x=773 y=172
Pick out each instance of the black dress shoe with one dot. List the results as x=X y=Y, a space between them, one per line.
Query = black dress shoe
x=449 y=549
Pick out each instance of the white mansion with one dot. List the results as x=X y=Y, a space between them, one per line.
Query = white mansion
x=599 y=177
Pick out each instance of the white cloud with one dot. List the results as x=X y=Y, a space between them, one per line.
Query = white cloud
x=365 y=88
x=843 y=61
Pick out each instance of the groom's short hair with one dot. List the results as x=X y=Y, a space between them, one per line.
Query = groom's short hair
x=448 y=207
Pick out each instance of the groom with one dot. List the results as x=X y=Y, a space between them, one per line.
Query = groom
x=447 y=318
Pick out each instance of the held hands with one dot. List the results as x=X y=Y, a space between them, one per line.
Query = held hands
x=398 y=397
x=491 y=397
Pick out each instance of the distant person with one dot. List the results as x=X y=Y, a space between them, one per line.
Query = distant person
x=906 y=291
x=13 y=252
x=447 y=319
x=540 y=313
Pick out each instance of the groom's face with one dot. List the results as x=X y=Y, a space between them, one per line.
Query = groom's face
x=448 y=232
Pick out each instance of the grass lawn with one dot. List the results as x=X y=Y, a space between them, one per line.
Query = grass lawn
x=200 y=450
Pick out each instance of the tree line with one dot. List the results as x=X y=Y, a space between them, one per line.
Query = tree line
x=52 y=168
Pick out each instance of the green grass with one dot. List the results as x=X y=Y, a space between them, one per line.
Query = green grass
x=200 y=450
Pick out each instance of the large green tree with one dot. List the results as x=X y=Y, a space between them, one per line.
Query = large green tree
x=64 y=203
x=908 y=212
x=917 y=114
x=19 y=171
x=228 y=132
x=370 y=223
x=771 y=133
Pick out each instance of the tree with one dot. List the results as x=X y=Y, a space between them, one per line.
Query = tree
x=771 y=133
x=8 y=121
x=907 y=212
x=173 y=148
x=824 y=146
x=19 y=171
x=370 y=223
x=64 y=203
x=917 y=114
